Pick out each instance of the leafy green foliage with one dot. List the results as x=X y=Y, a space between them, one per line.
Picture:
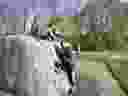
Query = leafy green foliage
x=115 y=40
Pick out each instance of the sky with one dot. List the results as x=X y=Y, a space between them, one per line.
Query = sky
x=46 y=7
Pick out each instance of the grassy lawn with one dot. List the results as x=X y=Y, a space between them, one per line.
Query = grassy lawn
x=96 y=60
x=93 y=68
x=90 y=66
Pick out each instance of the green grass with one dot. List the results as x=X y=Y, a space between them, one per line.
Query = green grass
x=89 y=67
x=92 y=67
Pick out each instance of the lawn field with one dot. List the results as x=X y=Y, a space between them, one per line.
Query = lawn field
x=93 y=67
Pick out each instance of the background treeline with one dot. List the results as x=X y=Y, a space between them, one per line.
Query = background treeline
x=115 y=40
x=94 y=41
